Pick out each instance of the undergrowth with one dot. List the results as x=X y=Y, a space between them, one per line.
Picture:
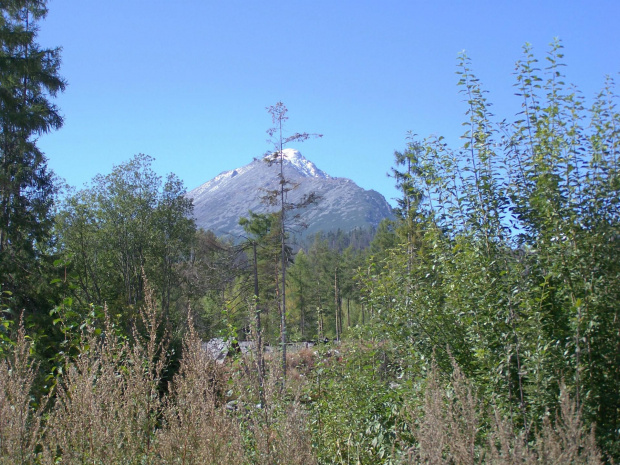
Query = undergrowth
x=339 y=405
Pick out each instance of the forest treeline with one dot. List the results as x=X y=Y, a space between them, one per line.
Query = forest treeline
x=481 y=325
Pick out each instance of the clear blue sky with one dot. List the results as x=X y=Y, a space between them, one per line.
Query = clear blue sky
x=187 y=81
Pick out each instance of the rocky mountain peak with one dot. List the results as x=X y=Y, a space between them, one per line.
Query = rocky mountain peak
x=304 y=166
x=222 y=201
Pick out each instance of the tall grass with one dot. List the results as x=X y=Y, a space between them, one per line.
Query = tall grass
x=195 y=425
x=20 y=419
x=111 y=406
x=450 y=430
x=107 y=402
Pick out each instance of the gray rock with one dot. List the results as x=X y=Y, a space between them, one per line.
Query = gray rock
x=222 y=201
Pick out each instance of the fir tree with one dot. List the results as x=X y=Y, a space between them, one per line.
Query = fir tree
x=28 y=79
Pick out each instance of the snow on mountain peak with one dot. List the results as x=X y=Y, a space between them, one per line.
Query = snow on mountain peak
x=304 y=166
x=220 y=202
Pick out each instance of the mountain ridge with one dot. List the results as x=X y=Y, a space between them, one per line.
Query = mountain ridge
x=221 y=201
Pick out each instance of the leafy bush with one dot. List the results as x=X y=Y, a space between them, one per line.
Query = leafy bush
x=508 y=251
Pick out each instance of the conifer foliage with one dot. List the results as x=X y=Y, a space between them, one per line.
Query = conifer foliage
x=28 y=79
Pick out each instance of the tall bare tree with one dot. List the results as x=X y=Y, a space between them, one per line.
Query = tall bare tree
x=278 y=197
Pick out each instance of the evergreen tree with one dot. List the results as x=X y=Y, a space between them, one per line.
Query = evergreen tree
x=264 y=262
x=385 y=239
x=279 y=197
x=300 y=285
x=28 y=79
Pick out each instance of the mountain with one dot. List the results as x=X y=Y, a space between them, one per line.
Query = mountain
x=220 y=202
